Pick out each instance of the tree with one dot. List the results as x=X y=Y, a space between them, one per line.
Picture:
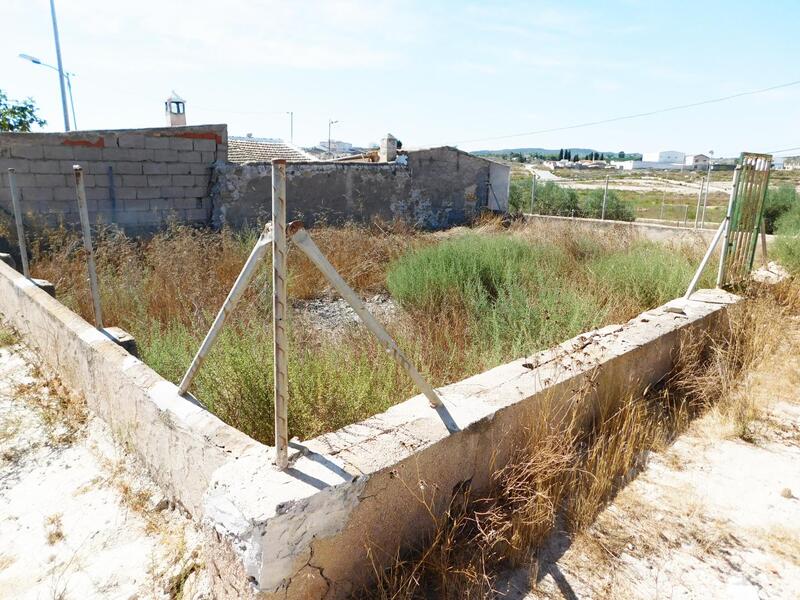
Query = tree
x=561 y=154
x=567 y=154
x=621 y=155
x=18 y=116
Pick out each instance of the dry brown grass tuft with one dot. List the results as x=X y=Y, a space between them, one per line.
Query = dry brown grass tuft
x=63 y=413
x=54 y=529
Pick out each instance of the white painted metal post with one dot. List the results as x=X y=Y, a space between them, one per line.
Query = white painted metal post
x=280 y=344
x=83 y=211
x=705 y=199
x=23 y=251
x=705 y=260
x=699 y=200
x=727 y=223
x=533 y=191
x=685 y=214
x=307 y=245
x=605 y=198
x=239 y=286
x=764 y=260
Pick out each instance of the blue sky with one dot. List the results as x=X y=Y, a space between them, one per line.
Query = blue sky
x=429 y=72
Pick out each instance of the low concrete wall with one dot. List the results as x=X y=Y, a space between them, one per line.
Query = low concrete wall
x=137 y=178
x=650 y=231
x=435 y=188
x=304 y=532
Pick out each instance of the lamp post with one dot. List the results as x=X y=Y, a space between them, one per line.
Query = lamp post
x=291 y=126
x=62 y=75
x=330 y=122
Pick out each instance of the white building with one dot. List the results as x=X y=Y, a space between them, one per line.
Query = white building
x=636 y=165
x=698 y=162
x=337 y=146
x=664 y=156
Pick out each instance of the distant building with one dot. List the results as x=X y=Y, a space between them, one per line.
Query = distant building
x=698 y=162
x=791 y=163
x=636 y=165
x=664 y=156
x=336 y=147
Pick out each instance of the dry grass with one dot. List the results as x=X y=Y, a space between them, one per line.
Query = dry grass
x=556 y=282
x=54 y=529
x=562 y=477
x=63 y=413
x=7 y=337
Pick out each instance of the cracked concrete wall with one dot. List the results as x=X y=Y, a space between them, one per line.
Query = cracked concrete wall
x=307 y=532
x=436 y=188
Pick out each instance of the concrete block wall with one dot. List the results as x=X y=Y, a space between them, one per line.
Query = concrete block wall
x=435 y=188
x=137 y=178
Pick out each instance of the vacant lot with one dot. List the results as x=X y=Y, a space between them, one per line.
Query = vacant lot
x=458 y=302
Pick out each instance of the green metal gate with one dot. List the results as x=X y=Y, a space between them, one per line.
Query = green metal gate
x=744 y=218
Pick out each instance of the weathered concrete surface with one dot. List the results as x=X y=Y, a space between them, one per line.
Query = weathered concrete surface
x=298 y=537
x=305 y=532
x=435 y=188
x=181 y=443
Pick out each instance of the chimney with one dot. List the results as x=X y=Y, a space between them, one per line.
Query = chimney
x=388 y=149
x=175 y=109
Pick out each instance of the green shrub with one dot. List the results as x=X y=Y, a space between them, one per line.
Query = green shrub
x=616 y=209
x=648 y=274
x=552 y=199
x=778 y=202
x=787 y=245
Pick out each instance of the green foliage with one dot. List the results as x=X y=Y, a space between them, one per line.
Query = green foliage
x=787 y=245
x=18 y=115
x=778 y=201
x=552 y=199
x=649 y=274
x=616 y=209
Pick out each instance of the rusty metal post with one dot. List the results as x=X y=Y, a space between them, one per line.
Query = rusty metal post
x=83 y=211
x=307 y=245
x=280 y=344
x=23 y=251
x=239 y=286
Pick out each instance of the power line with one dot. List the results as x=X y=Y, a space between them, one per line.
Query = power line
x=784 y=150
x=634 y=116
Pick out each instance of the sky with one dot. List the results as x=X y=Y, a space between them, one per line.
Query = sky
x=431 y=73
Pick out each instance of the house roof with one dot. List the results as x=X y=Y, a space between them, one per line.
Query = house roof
x=250 y=149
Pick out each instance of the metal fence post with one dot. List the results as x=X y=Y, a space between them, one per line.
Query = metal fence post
x=533 y=191
x=239 y=286
x=281 y=372
x=605 y=198
x=303 y=241
x=23 y=251
x=699 y=199
x=83 y=211
x=727 y=222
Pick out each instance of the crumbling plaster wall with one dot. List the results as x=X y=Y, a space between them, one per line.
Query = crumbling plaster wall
x=137 y=178
x=435 y=188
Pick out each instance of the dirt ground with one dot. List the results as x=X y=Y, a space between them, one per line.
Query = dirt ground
x=714 y=516
x=79 y=518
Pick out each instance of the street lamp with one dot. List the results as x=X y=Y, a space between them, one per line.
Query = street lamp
x=330 y=122
x=291 y=126
x=67 y=76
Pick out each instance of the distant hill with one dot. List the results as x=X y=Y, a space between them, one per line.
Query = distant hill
x=554 y=151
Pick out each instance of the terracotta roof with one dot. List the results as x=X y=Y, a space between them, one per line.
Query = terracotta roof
x=248 y=149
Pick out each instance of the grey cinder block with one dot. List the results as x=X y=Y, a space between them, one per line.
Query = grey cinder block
x=33 y=152
x=59 y=152
x=177 y=143
x=128 y=140
x=134 y=181
x=156 y=143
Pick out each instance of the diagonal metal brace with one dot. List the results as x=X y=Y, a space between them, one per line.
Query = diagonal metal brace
x=300 y=237
x=259 y=250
